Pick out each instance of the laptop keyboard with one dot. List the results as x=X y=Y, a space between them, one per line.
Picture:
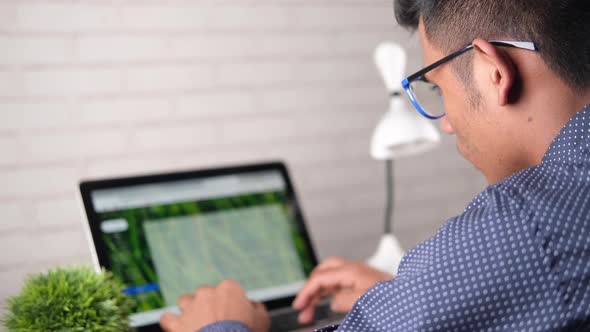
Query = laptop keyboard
x=284 y=321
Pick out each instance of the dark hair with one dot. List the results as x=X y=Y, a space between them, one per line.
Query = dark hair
x=559 y=28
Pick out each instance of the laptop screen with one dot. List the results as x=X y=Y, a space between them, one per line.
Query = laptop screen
x=165 y=239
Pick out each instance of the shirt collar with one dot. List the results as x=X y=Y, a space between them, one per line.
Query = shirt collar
x=573 y=141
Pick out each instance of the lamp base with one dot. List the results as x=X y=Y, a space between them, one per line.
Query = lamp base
x=388 y=255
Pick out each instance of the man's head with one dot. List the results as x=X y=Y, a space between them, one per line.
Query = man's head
x=500 y=100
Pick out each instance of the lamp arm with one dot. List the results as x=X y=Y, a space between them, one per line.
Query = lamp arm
x=389 y=197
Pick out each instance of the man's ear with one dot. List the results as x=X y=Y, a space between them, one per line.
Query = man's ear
x=501 y=70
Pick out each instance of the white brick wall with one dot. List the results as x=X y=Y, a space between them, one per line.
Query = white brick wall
x=33 y=50
x=101 y=88
x=25 y=114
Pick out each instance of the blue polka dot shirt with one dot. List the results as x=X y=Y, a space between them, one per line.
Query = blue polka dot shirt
x=517 y=258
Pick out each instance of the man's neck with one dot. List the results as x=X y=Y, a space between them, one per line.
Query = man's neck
x=549 y=115
x=584 y=99
x=536 y=129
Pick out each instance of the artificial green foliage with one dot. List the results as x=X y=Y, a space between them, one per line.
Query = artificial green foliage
x=69 y=299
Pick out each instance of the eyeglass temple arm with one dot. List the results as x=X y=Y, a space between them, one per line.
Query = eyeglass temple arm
x=526 y=45
x=439 y=62
x=512 y=43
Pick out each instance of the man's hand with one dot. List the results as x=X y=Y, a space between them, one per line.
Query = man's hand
x=343 y=280
x=207 y=305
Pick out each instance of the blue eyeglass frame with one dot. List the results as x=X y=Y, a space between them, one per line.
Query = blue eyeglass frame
x=419 y=75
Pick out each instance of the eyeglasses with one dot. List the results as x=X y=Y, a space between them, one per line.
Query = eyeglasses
x=427 y=97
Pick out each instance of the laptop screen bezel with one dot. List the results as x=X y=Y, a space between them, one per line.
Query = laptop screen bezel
x=87 y=187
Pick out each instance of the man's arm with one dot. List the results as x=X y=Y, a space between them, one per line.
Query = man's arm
x=479 y=272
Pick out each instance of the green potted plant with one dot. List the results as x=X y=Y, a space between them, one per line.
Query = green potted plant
x=69 y=299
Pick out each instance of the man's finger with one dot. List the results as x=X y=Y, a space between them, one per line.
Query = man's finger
x=343 y=301
x=204 y=292
x=260 y=308
x=184 y=300
x=230 y=284
x=307 y=313
x=232 y=289
x=329 y=291
x=330 y=262
x=170 y=322
x=332 y=278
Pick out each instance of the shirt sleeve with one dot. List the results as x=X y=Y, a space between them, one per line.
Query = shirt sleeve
x=225 y=326
x=482 y=271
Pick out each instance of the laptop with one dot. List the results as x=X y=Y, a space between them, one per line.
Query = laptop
x=164 y=235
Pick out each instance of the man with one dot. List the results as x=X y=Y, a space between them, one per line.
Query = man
x=518 y=258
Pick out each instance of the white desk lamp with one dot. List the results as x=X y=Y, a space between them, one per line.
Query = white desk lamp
x=401 y=132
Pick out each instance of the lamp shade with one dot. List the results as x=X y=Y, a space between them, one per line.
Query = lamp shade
x=401 y=131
